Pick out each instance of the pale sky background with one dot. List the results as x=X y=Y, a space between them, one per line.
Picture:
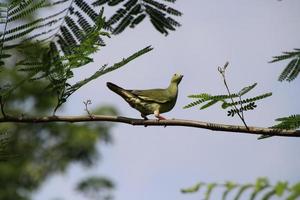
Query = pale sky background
x=154 y=163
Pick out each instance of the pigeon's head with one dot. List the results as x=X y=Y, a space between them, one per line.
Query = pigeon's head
x=176 y=78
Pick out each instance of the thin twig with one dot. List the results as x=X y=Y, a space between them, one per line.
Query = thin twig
x=154 y=122
x=241 y=103
x=86 y=103
x=222 y=72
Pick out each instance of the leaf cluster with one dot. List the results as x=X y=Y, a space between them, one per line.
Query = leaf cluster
x=71 y=35
x=33 y=153
x=291 y=71
x=96 y=187
x=291 y=122
x=228 y=101
x=237 y=191
x=4 y=141
x=132 y=12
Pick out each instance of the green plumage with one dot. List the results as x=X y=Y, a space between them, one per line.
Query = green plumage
x=152 y=101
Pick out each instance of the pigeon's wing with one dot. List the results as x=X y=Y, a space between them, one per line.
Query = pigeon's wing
x=153 y=95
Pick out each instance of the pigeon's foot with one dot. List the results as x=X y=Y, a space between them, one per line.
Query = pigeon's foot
x=144 y=116
x=159 y=117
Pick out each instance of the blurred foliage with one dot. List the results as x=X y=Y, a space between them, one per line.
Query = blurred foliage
x=261 y=189
x=53 y=44
x=34 y=152
x=41 y=42
x=30 y=153
x=96 y=188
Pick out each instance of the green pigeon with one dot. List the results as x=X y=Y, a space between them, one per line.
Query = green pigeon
x=152 y=101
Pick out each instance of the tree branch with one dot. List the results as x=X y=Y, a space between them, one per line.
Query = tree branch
x=155 y=122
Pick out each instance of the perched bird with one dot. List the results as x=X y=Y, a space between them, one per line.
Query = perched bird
x=153 y=101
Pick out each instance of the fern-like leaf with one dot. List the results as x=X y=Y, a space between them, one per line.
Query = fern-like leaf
x=133 y=12
x=87 y=9
x=246 y=89
x=195 y=103
x=242 y=190
x=291 y=71
x=291 y=122
x=246 y=101
x=193 y=189
x=229 y=187
x=260 y=185
x=295 y=192
x=210 y=103
x=23 y=13
x=137 y=20
x=100 y=2
x=209 y=190
x=247 y=107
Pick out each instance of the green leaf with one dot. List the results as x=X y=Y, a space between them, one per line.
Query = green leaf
x=137 y=20
x=268 y=195
x=286 y=55
x=287 y=70
x=280 y=188
x=200 y=96
x=229 y=187
x=125 y=16
x=86 y=8
x=242 y=190
x=260 y=185
x=291 y=122
x=33 y=7
x=210 y=103
x=249 y=100
x=295 y=71
x=100 y=2
x=123 y=24
x=195 y=103
x=291 y=71
x=192 y=189
x=246 y=89
x=295 y=192
x=114 y=2
x=94 y=183
x=209 y=190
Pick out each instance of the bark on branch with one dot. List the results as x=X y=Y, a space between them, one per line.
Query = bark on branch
x=154 y=122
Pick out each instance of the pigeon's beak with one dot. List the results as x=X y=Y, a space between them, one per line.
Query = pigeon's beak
x=181 y=76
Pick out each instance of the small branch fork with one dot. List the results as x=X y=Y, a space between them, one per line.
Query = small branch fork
x=86 y=103
x=222 y=72
x=155 y=122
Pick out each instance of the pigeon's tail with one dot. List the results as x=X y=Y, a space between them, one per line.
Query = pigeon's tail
x=115 y=88
x=120 y=91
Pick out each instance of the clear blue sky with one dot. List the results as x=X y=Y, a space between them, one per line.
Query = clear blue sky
x=155 y=162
